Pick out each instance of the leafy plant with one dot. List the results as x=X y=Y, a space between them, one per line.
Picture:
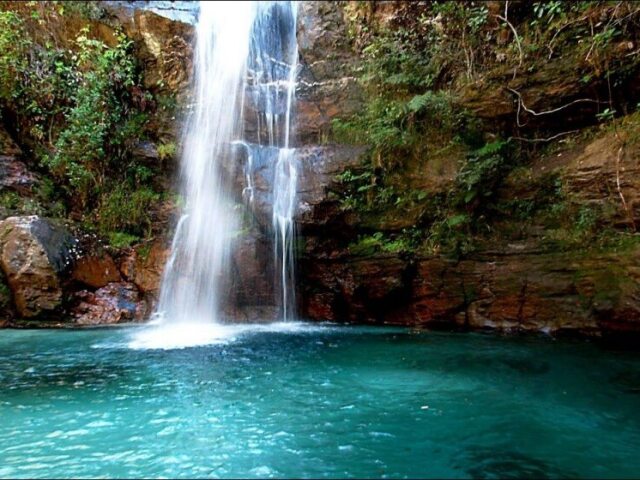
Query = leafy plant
x=93 y=139
x=123 y=209
x=482 y=172
x=166 y=150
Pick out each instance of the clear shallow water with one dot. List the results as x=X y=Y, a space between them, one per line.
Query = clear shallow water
x=334 y=402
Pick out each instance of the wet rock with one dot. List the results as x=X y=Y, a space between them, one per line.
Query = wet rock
x=318 y=103
x=357 y=290
x=113 y=303
x=95 y=271
x=252 y=270
x=145 y=151
x=318 y=167
x=144 y=266
x=327 y=86
x=551 y=292
x=182 y=11
x=34 y=252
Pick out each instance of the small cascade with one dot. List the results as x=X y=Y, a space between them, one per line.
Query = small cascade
x=272 y=74
x=284 y=202
x=246 y=54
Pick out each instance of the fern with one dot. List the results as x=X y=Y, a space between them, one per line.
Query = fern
x=419 y=102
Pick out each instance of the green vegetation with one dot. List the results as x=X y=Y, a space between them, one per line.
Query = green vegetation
x=121 y=239
x=415 y=67
x=167 y=151
x=80 y=111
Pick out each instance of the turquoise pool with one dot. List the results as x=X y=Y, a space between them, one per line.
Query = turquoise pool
x=322 y=401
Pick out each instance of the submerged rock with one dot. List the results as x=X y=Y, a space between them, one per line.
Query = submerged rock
x=114 y=303
x=34 y=251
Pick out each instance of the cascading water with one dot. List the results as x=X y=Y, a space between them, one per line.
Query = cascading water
x=272 y=72
x=245 y=52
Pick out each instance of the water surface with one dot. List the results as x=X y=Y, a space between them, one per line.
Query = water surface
x=316 y=402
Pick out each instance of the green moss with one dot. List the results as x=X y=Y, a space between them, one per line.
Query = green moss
x=144 y=250
x=167 y=151
x=121 y=239
x=404 y=242
x=11 y=203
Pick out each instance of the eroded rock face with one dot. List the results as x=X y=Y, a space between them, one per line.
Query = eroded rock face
x=169 y=49
x=520 y=291
x=34 y=252
x=144 y=266
x=514 y=286
x=114 y=303
x=95 y=270
x=327 y=87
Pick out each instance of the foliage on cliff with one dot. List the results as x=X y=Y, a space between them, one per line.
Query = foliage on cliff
x=75 y=102
x=485 y=87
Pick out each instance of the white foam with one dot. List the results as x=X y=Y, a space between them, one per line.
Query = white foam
x=169 y=336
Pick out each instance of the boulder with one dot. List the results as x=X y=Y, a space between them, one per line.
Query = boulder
x=34 y=252
x=114 y=303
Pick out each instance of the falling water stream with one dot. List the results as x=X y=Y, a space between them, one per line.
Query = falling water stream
x=272 y=71
x=245 y=54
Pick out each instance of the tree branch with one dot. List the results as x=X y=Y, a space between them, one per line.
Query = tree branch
x=542 y=140
x=522 y=106
x=517 y=39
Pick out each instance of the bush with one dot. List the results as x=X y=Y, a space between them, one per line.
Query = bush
x=125 y=210
x=93 y=140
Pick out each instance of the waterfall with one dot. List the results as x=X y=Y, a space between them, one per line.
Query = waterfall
x=246 y=53
x=272 y=72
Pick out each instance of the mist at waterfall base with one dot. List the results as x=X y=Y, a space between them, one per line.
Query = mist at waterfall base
x=245 y=51
x=332 y=401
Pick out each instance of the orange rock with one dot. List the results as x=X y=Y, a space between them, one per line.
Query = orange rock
x=96 y=271
x=145 y=270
